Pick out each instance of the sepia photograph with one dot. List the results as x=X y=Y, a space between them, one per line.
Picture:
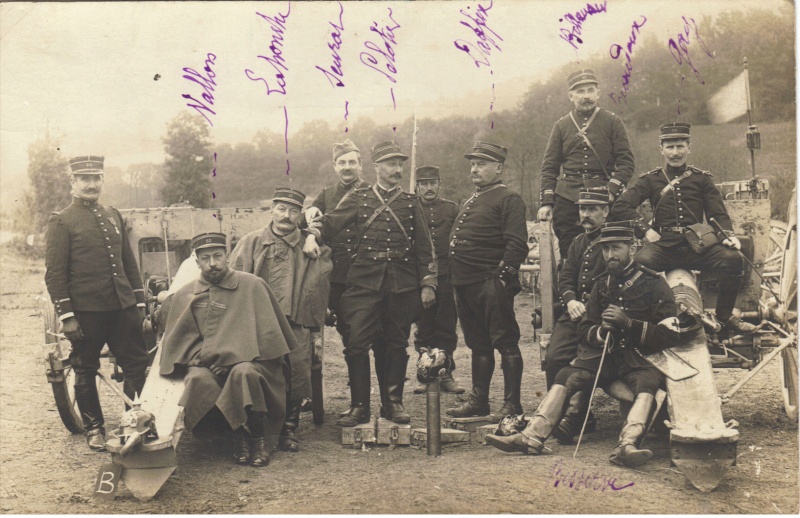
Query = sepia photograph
x=395 y=257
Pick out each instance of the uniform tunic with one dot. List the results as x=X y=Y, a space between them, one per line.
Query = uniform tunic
x=92 y=275
x=487 y=244
x=436 y=326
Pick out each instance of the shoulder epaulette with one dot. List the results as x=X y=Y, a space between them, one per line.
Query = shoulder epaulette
x=645 y=269
x=698 y=170
x=654 y=171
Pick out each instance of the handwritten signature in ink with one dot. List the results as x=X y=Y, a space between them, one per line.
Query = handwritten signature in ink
x=388 y=41
x=482 y=48
x=206 y=81
x=580 y=479
x=680 y=48
x=276 y=60
x=572 y=35
x=617 y=51
x=336 y=73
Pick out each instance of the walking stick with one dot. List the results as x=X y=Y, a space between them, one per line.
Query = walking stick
x=591 y=396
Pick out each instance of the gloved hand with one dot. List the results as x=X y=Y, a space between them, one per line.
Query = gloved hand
x=615 y=318
x=72 y=329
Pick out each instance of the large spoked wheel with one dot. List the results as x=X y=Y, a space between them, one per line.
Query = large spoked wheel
x=59 y=372
x=787 y=313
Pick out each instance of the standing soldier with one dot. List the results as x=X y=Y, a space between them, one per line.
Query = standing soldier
x=347 y=164
x=436 y=328
x=590 y=148
x=584 y=262
x=682 y=195
x=487 y=245
x=393 y=270
x=300 y=284
x=94 y=282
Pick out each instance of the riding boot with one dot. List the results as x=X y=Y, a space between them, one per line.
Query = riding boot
x=288 y=440
x=132 y=386
x=571 y=424
x=539 y=427
x=511 y=363
x=380 y=373
x=396 y=364
x=449 y=384
x=88 y=401
x=241 y=446
x=478 y=400
x=626 y=453
x=726 y=300
x=259 y=452
x=358 y=372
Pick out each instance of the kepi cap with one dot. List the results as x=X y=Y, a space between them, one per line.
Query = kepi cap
x=386 y=150
x=580 y=77
x=614 y=232
x=675 y=130
x=289 y=195
x=343 y=148
x=427 y=172
x=488 y=151
x=208 y=240
x=593 y=196
x=87 y=165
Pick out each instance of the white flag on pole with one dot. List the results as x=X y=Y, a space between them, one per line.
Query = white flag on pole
x=730 y=102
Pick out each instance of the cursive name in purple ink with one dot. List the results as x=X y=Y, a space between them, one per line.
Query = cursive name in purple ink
x=580 y=479
x=385 y=50
x=481 y=49
x=679 y=48
x=276 y=60
x=206 y=80
x=617 y=51
x=572 y=34
x=334 y=74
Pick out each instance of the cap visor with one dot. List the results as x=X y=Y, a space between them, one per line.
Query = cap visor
x=591 y=202
x=584 y=82
x=481 y=156
x=393 y=155
x=290 y=201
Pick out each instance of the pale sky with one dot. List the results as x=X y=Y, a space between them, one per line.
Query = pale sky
x=87 y=70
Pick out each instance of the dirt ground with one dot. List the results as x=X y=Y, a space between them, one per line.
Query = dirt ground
x=45 y=469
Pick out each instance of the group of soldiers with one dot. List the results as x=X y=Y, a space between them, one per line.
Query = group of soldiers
x=374 y=259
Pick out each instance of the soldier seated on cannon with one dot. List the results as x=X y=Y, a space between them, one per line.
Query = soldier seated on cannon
x=631 y=311
x=227 y=335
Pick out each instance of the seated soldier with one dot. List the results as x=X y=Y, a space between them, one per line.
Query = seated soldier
x=227 y=335
x=642 y=323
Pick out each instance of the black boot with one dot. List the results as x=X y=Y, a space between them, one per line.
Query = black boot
x=88 y=401
x=511 y=363
x=288 y=440
x=540 y=426
x=627 y=453
x=380 y=373
x=241 y=446
x=358 y=372
x=726 y=300
x=478 y=400
x=395 y=378
x=259 y=452
x=132 y=386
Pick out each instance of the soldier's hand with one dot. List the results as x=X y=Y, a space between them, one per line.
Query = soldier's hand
x=72 y=329
x=651 y=236
x=611 y=198
x=615 y=317
x=312 y=213
x=428 y=297
x=732 y=242
x=545 y=211
x=576 y=309
x=218 y=371
x=311 y=248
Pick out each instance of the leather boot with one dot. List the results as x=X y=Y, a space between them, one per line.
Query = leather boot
x=478 y=400
x=358 y=372
x=288 y=440
x=241 y=446
x=511 y=363
x=571 y=424
x=450 y=385
x=540 y=426
x=396 y=364
x=626 y=453
x=88 y=401
x=259 y=452
x=380 y=373
x=132 y=386
x=726 y=300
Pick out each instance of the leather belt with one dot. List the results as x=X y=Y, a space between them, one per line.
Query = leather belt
x=671 y=229
x=389 y=254
x=465 y=242
x=584 y=175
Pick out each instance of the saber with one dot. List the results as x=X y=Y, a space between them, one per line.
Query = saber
x=591 y=396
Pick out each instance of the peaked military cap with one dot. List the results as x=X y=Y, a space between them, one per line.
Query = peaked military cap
x=675 y=130
x=289 y=195
x=488 y=151
x=87 y=165
x=427 y=172
x=343 y=148
x=613 y=232
x=386 y=150
x=593 y=196
x=580 y=77
x=208 y=240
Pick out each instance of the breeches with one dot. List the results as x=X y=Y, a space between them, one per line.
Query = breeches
x=486 y=313
x=718 y=258
x=580 y=375
x=436 y=326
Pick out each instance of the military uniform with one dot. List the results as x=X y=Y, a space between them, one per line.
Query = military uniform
x=569 y=162
x=487 y=244
x=92 y=276
x=692 y=197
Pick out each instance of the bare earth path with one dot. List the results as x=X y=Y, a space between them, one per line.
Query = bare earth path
x=45 y=469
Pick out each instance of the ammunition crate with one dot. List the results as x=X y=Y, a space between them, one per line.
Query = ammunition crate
x=419 y=436
x=393 y=434
x=467 y=424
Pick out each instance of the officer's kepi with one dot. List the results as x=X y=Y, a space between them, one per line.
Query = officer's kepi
x=208 y=240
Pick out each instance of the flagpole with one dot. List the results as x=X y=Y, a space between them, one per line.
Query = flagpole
x=413 y=187
x=753 y=135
